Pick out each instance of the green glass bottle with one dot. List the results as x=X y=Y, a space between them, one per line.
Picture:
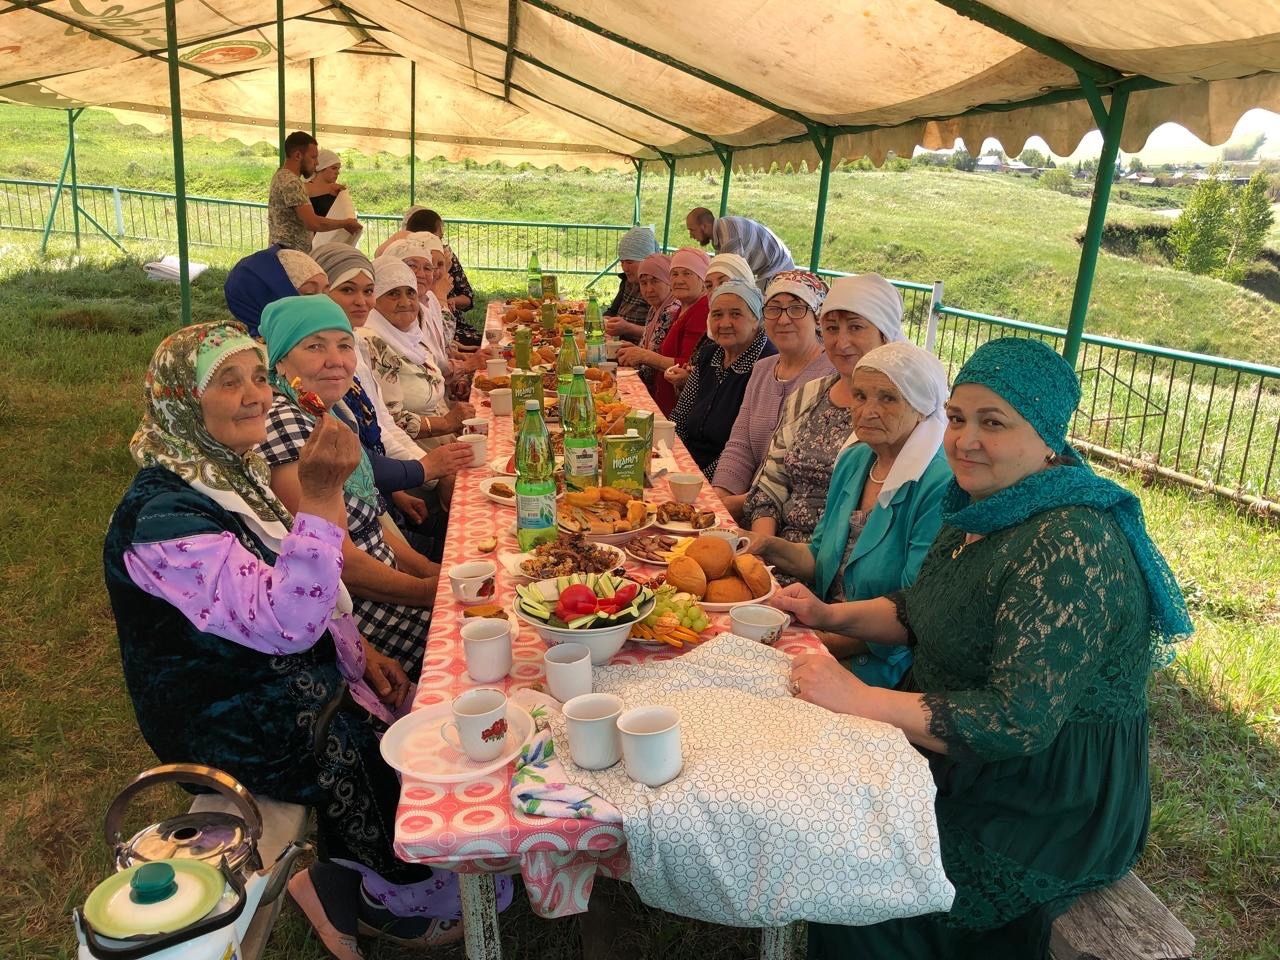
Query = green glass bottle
x=524 y=348
x=595 y=333
x=535 y=276
x=568 y=359
x=535 y=481
x=581 y=450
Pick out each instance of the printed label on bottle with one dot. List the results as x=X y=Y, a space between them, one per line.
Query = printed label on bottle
x=580 y=465
x=536 y=510
x=595 y=353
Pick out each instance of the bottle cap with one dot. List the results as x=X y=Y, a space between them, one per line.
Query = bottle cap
x=578 y=370
x=531 y=405
x=633 y=433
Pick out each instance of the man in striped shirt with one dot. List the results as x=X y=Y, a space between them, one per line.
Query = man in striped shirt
x=750 y=239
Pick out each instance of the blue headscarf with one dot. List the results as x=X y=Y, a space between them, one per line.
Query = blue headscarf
x=1043 y=388
x=254 y=282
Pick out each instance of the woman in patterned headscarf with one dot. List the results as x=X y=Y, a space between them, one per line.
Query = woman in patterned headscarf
x=236 y=632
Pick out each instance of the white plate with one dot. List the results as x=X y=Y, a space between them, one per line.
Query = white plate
x=486 y=486
x=726 y=607
x=499 y=466
x=613 y=539
x=639 y=559
x=511 y=562
x=682 y=527
x=413 y=745
x=626 y=372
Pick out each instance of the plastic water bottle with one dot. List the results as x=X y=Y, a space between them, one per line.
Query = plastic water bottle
x=535 y=276
x=595 y=333
x=524 y=348
x=535 y=481
x=568 y=359
x=581 y=449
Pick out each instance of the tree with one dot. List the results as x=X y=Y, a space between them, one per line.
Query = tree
x=1033 y=158
x=1135 y=165
x=963 y=160
x=1059 y=179
x=1200 y=235
x=1250 y=221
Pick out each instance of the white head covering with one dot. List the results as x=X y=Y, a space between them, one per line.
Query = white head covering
x=326 y=158
x=298 y=266
x=420 y=244
x=732 y=266
x=922 y=381
x=392 y=273
x=871 y=297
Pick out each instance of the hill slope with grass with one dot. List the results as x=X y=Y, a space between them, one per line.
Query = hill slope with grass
x=1000 y=244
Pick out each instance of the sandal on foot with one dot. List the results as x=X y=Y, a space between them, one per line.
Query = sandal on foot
x=340 y=944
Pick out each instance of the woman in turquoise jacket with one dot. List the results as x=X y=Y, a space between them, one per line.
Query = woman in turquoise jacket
x=884 y=506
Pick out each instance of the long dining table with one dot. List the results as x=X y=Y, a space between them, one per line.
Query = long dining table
x=472 y=827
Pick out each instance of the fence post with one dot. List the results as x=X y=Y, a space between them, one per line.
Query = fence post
x=931 y=327
x=670 y=161
x=179 y=165
x=75 y=187
x=118 y=203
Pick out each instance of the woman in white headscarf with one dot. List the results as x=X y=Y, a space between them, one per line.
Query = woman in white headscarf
x=884 y=505
x=329 y=198
x=727 y=266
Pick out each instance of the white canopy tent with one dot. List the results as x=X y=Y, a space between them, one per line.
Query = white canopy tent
x=608 y=84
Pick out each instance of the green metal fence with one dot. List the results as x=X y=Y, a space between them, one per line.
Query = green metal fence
x=1202 y=421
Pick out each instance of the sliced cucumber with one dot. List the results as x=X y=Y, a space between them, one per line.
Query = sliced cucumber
x=605 y=587
x=578 y=623
x=561 y=583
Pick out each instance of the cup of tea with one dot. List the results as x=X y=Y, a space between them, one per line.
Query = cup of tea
x=755 y=621
x=611 y=348
x=479 y=724
x=664 y=432
x=496 y=367
x=608 y=366
x=479 y=447
x=651 y=744
x=486 y=644
x=474 y=581
x=568 y=667
x=685 y=487
x=478 y=425
x=737 y=541
x=500 y=400
x=592 y=724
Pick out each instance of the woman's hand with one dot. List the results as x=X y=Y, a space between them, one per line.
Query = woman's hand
x=820 y=679
x=758 y=544
x=629 y=356
x=446 y=459
x=327 y=459
x=677 y=375
x=385 y=677
x=414 y=508
x=799 y=601
x=462 y=409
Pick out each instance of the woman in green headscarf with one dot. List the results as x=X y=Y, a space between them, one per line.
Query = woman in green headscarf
x=310 y=343
x=1036 y=617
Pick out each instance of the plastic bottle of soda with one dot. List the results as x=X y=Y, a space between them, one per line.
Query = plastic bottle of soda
x=535 y=481
x=595 y=333
x=581 y=449
x=535 y=277
x=524 y=348
x=568 y=359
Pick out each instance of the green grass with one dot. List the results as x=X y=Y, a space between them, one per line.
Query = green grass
x=1001 y=244
x=73 y=345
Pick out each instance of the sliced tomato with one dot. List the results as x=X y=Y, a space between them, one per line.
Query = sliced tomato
x=626 y=593
x=579 y=600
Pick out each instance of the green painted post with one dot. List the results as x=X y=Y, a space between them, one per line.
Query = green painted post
x=1097 y=219
x=635 y=213
x=179 y=165
x=311 y=76
x=726 y=158
x=824 y=140
x=413 y=129
x=57 y=196
x=75 y=186
x=670 y=161
x=280 y=75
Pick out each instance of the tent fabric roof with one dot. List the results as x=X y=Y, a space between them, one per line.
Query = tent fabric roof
x=596 y=82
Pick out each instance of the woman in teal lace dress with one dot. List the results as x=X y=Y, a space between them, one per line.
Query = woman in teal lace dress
x=1037 y=615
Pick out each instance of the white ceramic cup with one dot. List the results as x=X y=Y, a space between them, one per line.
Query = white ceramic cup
x=664 y=431
x=755 y=621
x=592 y=723
x=478 y=425
x=609 y=366
x=479 y=447
x=496 y=367
x=500 y=400
x=473 y=582
x=479 y=724
x=734 y=539
x=568 y=667
x=486 y=643
x=651 y=744
x=685 y=487
x=611 y=348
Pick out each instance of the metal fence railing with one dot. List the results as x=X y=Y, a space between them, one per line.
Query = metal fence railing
x=1203 y=421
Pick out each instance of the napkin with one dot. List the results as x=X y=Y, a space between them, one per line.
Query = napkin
x=170 y=268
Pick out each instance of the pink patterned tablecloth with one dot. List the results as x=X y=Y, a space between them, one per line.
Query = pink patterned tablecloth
x=472 y=827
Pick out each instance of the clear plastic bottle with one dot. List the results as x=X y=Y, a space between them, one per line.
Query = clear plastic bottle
x=535 y=481
x=524 y=348
x=568 y=358
x=535 y=277
x=581 y=448
x=595 y=333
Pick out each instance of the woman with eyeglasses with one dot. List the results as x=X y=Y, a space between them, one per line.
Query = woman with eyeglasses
x=792 y=301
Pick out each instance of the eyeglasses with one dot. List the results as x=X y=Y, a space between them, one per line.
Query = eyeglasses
x=796 y=311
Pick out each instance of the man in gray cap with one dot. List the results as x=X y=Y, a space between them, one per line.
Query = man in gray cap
x=626 y=316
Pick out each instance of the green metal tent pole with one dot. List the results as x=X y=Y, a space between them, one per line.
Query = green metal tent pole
x=670 y=161
x=1097 y=216
x=179 y=165
x=413 y=130
x=280 y=75
x=57 y=196
x=824 y=140
x=635 y=213
x=75 y=186
x=726 y=158
x=311 y=77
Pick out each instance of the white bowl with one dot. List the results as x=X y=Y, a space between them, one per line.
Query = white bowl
x=603 y=642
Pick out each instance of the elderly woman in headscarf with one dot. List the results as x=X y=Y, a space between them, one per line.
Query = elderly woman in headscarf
x=791 y=302
x=1035 y=620
x=310 y=343
x=880 y=508
x=461 y=296
x=266 y=276
x=654 y=276
x=627 y=316
x=788 y=492
x=720 y=372
x=688 y=270
x=236 y=631
x=727 y=266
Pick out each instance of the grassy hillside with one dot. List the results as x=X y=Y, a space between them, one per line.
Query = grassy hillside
x=1000 y=244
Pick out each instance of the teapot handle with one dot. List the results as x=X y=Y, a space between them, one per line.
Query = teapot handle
x=192 y=773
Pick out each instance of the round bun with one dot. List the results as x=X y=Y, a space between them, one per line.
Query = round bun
x=714 y=556
x=683 y=573
x=728 y=589
x=754 y=573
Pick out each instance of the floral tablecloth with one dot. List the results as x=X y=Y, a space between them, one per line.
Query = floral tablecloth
x=472 y=827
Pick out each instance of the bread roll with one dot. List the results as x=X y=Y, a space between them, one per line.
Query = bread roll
x=754 y=573
x=714 y=555
x=728 y=589
x=685 y=574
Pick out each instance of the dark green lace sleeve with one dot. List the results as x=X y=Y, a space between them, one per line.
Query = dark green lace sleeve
x=1059 y=604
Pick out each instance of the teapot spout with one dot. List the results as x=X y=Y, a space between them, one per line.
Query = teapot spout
x=282 y=869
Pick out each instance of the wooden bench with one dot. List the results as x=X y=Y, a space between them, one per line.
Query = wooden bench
x=1124 y=921
x=282 y=824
